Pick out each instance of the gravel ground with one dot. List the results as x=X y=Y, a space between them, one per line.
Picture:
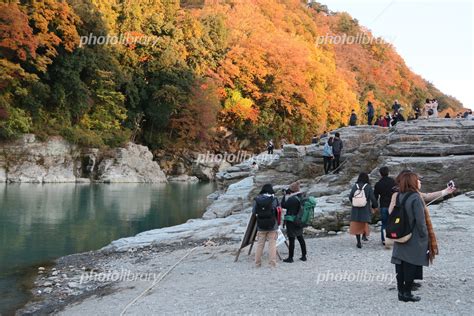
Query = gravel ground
x=209 y=282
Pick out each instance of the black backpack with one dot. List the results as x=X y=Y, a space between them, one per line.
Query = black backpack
x=266 y=217
x=398 y=227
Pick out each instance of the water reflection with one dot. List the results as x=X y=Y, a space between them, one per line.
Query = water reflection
x=43 y=222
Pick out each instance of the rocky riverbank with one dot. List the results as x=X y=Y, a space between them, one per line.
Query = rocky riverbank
x=30 y=160
x=335 y=279
x=417 y=145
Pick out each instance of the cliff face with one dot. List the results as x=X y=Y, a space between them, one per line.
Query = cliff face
x=55 y=160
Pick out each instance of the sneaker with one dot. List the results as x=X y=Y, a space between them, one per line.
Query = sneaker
x=288 y=260
x=303 y=258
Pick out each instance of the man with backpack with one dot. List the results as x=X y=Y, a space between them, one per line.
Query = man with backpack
x=265 y=210
x=383 y=193
x=353 y=118
x=292 y=202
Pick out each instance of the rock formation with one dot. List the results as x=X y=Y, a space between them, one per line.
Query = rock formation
x=56 y=160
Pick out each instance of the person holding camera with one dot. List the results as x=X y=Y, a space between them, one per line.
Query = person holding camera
x=292 y=203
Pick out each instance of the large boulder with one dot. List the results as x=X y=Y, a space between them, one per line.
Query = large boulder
x=133 y=163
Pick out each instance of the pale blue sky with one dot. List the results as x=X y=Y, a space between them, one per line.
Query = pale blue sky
x=434 y=37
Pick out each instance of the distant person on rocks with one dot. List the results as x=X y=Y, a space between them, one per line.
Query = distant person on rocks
x=265 y=209
x=434 y=107
x=469 y=115
x=254 y=167
x=270 y=147
x=383 y=190
x=382 y=122
x=388 y=118
x=465 y=114
x=396 y=106
x=353 y=119
x=315 y=139
x=410 y=257
x=398 y=117
x=417 y=112
x=363 y=200
x=328 y=156
x=337 y=147
x=370 y=113
x=447 y=116
x=291 y=201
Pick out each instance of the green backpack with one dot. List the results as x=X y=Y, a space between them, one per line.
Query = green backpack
x=306 y=214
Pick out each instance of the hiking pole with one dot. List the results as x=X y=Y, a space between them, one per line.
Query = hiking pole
x=431 y=202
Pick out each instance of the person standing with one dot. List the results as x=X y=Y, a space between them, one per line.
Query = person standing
x=337 y=147
x=370 y=113
x=292 y=203
x=270 y=147
x=383 y=190
x=361 y=214
x=353 y=119
x=396 y=107
x=328 y=156
x=265 y=209
x=410 y=257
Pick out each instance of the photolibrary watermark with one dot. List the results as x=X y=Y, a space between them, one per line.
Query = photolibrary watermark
x=361 y=276
x=238 y=157
x=122 y=275
x=344 y=39
x=129 y=38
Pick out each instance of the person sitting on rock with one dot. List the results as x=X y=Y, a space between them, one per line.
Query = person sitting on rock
x=382 y=122
x=292 y=203
x=254 y=168
x=361 y=213
x=265 y=209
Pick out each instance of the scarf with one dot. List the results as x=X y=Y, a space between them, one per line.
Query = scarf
x=432 y=242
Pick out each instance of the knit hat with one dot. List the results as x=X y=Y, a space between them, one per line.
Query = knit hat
x=294 y=187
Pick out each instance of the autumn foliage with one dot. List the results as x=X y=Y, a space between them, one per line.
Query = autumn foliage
x=254 y=67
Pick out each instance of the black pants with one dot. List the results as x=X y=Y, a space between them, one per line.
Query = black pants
x=406 y=273
x=270 y=150
x=327 y=164
x=369 y=120
x=292 y=246
x=336 y=162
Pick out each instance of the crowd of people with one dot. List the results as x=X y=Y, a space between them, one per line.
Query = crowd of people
x=408 y=256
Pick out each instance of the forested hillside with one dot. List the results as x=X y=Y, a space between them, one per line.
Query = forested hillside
x=169 y=73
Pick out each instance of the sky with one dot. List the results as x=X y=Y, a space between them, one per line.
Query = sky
x=434 y=37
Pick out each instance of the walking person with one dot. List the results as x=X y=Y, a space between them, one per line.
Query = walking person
x=383 y=190
x=292 y=203
x=410 y=257
x=337 y=147
x=265 y=209
x=370 y=113
x=328 y=156
x=363 y=200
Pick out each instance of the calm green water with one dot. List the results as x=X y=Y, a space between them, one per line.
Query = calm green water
x=39 y=223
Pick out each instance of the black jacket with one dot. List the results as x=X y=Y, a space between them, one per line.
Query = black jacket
x=337 y=146
x=384 y=190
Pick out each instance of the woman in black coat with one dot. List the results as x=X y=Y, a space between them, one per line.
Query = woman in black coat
x=361 y=216
x=292 y=203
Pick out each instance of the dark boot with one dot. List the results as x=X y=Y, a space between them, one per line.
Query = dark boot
x=288 y=260
x=359 y=245
x=409 y=297
x=303 y=258
x=415 y=286
x=364 y=238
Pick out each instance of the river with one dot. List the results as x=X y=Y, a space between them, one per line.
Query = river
x=41 y=222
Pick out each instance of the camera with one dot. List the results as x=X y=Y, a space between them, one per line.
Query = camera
x=451 y=184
